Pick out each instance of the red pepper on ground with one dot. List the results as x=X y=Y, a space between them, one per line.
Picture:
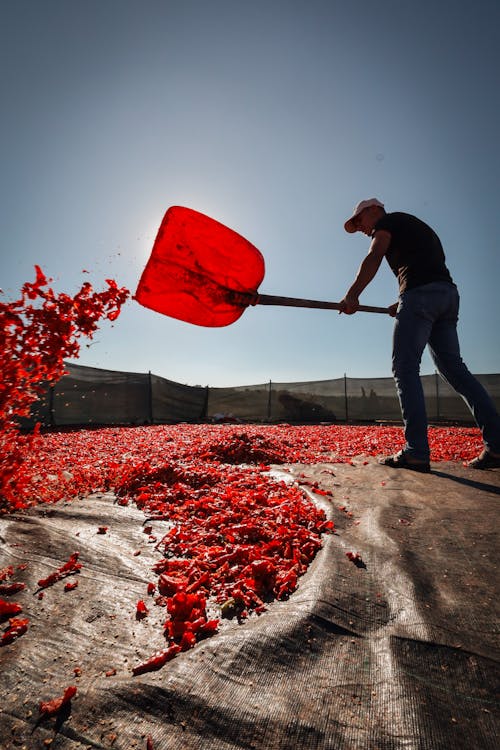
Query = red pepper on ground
x=16 y=628
x=69 y=567
x=11 y=588
x=52 y=707
x=9 y=608
x=356 y=559
x=141 y=610
x=7 y=572
x=157 y=661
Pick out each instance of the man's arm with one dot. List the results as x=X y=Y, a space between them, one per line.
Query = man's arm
x=367 y=270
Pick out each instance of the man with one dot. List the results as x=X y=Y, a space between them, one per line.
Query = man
x=426 y=314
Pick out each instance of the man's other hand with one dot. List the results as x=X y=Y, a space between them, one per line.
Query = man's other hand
x=392 y=309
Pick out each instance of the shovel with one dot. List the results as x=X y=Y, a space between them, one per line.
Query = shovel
x=204 y=273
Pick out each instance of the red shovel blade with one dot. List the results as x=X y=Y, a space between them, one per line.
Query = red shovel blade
x=195 y=265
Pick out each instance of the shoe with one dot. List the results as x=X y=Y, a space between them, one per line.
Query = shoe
x=485 y=461
x=401 y=461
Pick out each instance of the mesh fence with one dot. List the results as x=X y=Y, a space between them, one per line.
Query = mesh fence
x=87 y=395
x=341 y=399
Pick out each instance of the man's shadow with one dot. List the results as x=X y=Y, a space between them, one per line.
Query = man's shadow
x=494 y=489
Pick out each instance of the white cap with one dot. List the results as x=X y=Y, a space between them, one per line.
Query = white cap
x=350 y=226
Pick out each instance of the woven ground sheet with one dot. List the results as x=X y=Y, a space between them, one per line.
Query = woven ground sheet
x=397 y=652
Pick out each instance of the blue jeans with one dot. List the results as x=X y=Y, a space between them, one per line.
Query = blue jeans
x=428 y=315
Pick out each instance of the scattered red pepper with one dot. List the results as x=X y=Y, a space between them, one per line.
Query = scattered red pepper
x=356 y=558
x=141 y=610
x=9 y=608
x=52 y=707
x=157 y=661
x=319 y=491
x=11 y=588
x=70 y=586
x=7 y=572
x=16 y=628
x=69 y=567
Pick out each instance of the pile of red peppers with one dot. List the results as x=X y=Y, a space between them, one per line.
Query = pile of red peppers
x=72 y=463
x=234 y=536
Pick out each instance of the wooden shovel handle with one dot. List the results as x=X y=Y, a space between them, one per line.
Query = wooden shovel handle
x=267 y=299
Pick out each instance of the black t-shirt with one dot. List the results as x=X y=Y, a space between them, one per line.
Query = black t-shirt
x=415 y=253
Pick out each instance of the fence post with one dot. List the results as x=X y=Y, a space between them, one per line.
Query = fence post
x=52 y=420
x=204 y=415
x=269 y=402
x=150 y=397
x=345 y=399
x=438 y=415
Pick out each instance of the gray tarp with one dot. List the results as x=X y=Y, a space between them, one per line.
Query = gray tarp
x=400 y=654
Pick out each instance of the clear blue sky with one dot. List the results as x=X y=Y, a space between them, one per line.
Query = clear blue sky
x=275 y=118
